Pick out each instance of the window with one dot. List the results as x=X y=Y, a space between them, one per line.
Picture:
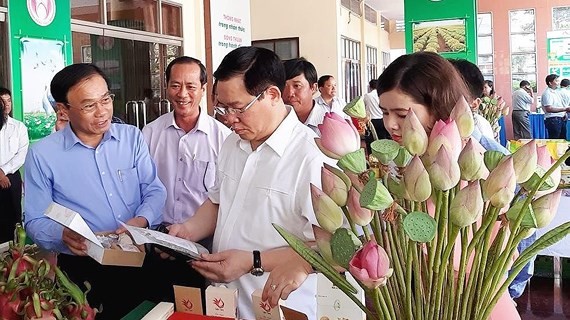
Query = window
x=370 y=15
x=286 y=48
x=350 y=65
x=171 y=20
x=386 y=60
x=86 y=10
x=485 y=45
x=371 y=63
x=400 y=26
x=352 y=5
x=560 y=18
x=523 y=47
x=134 y=14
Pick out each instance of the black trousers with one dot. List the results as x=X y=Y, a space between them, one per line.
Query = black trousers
x=10 y=207
x=380 y=130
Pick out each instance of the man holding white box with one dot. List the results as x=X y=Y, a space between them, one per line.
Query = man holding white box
x=264 y=173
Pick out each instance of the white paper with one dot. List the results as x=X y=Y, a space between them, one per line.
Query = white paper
x=186 y=247
x=72 y=220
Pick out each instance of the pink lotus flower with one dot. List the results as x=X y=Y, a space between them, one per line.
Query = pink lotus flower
x=545 y=208
x=525 y=160
x=416 y=181
x=501 y=183
x=445 y=133
x=414 y=136
x=338 y=136
x=359 y=215
x=463 y=116
x=467 y=205
x=444 y=172
x=371 y=265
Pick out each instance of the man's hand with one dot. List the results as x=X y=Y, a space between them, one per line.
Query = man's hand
x=225 y=266
x=74 y=241
x=284 y=279
x=5 y=182
x=135 y=222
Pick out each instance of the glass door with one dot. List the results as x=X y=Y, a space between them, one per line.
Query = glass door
x=135 y=67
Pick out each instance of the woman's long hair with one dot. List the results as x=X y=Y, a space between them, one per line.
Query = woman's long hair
x=3 y=115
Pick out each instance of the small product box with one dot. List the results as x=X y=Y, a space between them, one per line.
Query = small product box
x=188 y=300
x=263 y=310
x=332 y=303
x=161 y=311
x=221 y=302
x=121 y=252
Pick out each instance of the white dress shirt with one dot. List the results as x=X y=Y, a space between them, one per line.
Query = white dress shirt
x=186 y=162
x=372 y=104
x=552 y=98
x=256 y=188
x=13 y=145
x=320 y=107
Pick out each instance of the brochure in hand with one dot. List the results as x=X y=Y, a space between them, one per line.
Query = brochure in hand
x=186 y=247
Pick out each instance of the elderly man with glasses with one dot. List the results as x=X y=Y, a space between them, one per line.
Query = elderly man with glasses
x=101 y=170
x=265 y=169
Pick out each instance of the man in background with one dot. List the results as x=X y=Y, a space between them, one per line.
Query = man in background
x=184 y=144
x=328 y=99
x=554 y=110
x=371 y=103
x=522 y=101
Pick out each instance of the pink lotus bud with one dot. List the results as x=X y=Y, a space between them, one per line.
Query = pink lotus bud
x=444 y=172
x=467 y=205
x=334 y=187
x=500 y=186
x=328 y=213
x=471 y=161
x=323 y=239
x=338 y=136
x=463 y=116
x=371 y=265
x=414 y=136
x=359 y=215
x=525 y=161
x=545 y=208
x=445 y=133
x=416 y=180
x=544 y=161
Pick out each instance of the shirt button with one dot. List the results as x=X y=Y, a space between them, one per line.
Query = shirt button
x=118 y=216
x=102 y=173
x=177 y=199
x=179 y=179
x=110 y=194
x=181 y=159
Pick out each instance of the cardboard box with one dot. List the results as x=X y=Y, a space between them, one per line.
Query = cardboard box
x=161 y=311
x=263 y=310
x=105 y=256
x=221 y=302
x=332 y=303
x=188 y=300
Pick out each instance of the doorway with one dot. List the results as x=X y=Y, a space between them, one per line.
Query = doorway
x=135 y=65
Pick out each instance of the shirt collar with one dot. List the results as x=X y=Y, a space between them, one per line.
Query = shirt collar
x=70 y=139
x=201 y=124
x=279 y=139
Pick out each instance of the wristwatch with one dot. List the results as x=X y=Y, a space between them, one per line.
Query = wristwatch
x=257 y=269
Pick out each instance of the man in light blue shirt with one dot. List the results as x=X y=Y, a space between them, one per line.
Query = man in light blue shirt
x=101 y=170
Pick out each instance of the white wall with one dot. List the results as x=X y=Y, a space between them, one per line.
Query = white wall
x=193 y=30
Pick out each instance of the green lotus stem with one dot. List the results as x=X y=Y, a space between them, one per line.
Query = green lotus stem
x=372 y=130
x=376 y=229
x=442 y=224
x=384 y=291
x=465 y=307
x=483 y=264
x=349 y=219
x=450 y=293
x=409 y=267
x=417 y=282
x=391 y=292
x=396 y=254
x=440 y=276
x=432 y=246
x=493 y=279
x=369 y=314
x=461 y=274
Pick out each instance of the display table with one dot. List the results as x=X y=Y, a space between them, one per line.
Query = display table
x=561 y=248
x=537 y=128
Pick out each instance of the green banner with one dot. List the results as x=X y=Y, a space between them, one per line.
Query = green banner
x=558 y=52
x=40 y=46
x=444 y=27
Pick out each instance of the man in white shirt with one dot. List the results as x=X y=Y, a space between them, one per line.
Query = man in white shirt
x=265 y=169
x=371 y=103
x=565 y=93
x=184 y=144
x=328 y=99
x=522 y=100
x=555 y=111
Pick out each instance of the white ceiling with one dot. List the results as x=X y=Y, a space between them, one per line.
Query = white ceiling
x=391 y=9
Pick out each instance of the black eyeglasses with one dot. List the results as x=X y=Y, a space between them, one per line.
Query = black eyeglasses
x=105 y=101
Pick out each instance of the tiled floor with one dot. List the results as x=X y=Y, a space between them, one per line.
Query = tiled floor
x=545 y=298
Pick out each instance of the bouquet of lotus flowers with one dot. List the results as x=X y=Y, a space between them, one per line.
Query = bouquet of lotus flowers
x=493 y=109
x=436 y=234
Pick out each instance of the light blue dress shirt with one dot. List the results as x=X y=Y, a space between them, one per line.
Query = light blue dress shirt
x=116 y=181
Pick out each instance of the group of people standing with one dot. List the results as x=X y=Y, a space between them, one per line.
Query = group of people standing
x=204 y=182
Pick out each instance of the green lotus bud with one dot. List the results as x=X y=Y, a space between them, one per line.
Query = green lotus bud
x=328 y=213
x=471 y=161
x=525 y=161
x=385 y=150
x=344 y=243
x=397 y=188
x=463 y=116
x=403 y=158
x=492 y=159
x=545 y=208
x=375 y=196
x=414 y=136
x=356 y=108
x=444 y=171
x=467 y=205
x=334 y=186
x=417 y=181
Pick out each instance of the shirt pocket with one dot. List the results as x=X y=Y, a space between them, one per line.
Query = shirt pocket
x=129 y=186
x=276 y=199
x=13 y=144
x=200 y=175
